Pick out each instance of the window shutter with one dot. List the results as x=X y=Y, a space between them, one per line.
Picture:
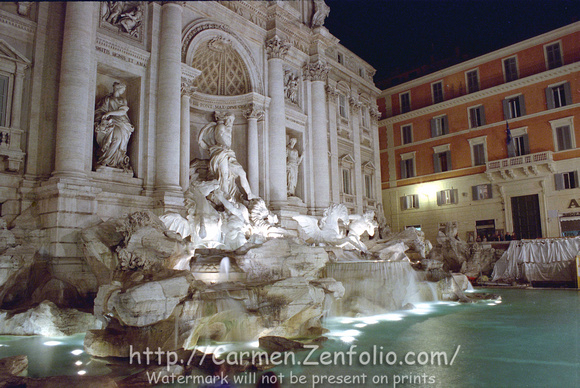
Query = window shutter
x=403 y=170
x=568 y=93
x=448 y=159
x=506 y=109
x=575 y=176
x=522 y=103
x=526 y=144
x=3 y=100
x=416 y=201
x=489 y=192
x=559 y=178
x=454 y=196
x=403 y=203
x=436 y=162
x=445 y=125
x=482 y=115
x=550 y=98
x=474 y=193
x=439 y=198
x=433 y=134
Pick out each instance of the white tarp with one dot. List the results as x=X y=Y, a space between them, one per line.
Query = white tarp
x=538 y=260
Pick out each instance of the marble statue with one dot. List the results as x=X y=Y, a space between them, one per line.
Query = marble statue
x=291 y=87
x=113 y=129
x=235 y=222
x=358 y=224
x=216 y=137
x=321 y=11
x=293 y=160
x=327 y=230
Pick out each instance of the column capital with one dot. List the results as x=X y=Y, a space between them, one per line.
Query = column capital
x=316 y=71
x=354 y=102
x=253 y=113
x=187 y=88
x=331 y=91
x=277 y=48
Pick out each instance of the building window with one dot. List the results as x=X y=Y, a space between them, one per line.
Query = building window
x=340 y=58
x=407 y=134
x=566 y=180
x=510 y=69
x=514 y=107
x=342 y=106
x=439 y=126
x=478 y=152
x=405 y=102
x=472 y=80
x=521 y=145
x=478 y=147
x=447 y=197
x=369 y=186
x=442 y=161
x=558 y=95
x=476 y=116
x=437 y=92
x=480 y=192
x=408 y=165
x=441 y=158
x=364 y=117
x=410 y=202
x=4 y=81
x=346 y=182
x=553 y=55
x=361 y=72
x=564 y=138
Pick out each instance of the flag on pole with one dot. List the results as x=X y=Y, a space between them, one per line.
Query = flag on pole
x=509 y=141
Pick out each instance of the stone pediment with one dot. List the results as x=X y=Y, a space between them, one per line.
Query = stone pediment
x=9 y=52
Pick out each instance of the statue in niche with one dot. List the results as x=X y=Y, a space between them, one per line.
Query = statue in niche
x=293 y=160
x=113 y=129
x=321 y=11
x=216 y=137
x=126 y=15
x=291 y=87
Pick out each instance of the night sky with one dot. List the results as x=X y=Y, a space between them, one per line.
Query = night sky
x=399 y=35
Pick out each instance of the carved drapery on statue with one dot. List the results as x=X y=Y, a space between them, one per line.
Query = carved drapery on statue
x=293 y=160
x=113 y=129
x=216 y=137
x=321 y=11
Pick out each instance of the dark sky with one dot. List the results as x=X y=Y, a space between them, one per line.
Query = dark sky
x=402 y=35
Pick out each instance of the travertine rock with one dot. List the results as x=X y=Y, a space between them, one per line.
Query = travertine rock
x=48 y=320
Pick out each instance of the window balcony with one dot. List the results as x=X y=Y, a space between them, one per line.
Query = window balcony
x=521 y=166
x=10 y=152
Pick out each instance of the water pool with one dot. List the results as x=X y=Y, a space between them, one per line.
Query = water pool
x=530 y=339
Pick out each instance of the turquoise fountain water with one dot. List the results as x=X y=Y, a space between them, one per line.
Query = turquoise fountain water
x=530 y=339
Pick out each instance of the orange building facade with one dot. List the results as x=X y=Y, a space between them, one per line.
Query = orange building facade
x=489 y=144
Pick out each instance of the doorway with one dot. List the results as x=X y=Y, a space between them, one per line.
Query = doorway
x=526 y=216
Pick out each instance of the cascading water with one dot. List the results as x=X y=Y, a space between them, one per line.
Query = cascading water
x=376 y=287
x=225 y=269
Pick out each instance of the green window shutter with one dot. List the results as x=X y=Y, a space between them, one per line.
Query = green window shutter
x=559 y=179
x=522 y=103
x=526 y=144
x=482 y=115
x=550 y=98
x=568 y=93
x=474 y=195
x=439 y=198
x=445 y=125
x=506 y=109
x=436 y=163
x=433 y=133
x=454 y=196
x=489 y=192
x=403 y=203
x=448 y=159
x=403 y=169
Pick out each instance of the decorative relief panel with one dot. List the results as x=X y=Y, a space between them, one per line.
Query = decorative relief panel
x=122 y=51
x=124 y=17
x=291 y=87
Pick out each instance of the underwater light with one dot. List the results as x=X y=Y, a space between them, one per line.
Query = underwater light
x=78 y=363
x=347 y=339
x=76 y=352
x=52 y=343
x=82 y=372
x=361 y=325
x=347 y=321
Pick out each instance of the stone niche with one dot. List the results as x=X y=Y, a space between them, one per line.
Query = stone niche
x=300 y=187
x=106 y=76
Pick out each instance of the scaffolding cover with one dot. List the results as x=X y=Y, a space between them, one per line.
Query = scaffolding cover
x=542 y=260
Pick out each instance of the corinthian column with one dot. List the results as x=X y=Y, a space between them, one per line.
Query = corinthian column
x=277 y=50
x=167 y=139
x=253 y=115
x=317 y=73
x=72 y=124
x=187 y=89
